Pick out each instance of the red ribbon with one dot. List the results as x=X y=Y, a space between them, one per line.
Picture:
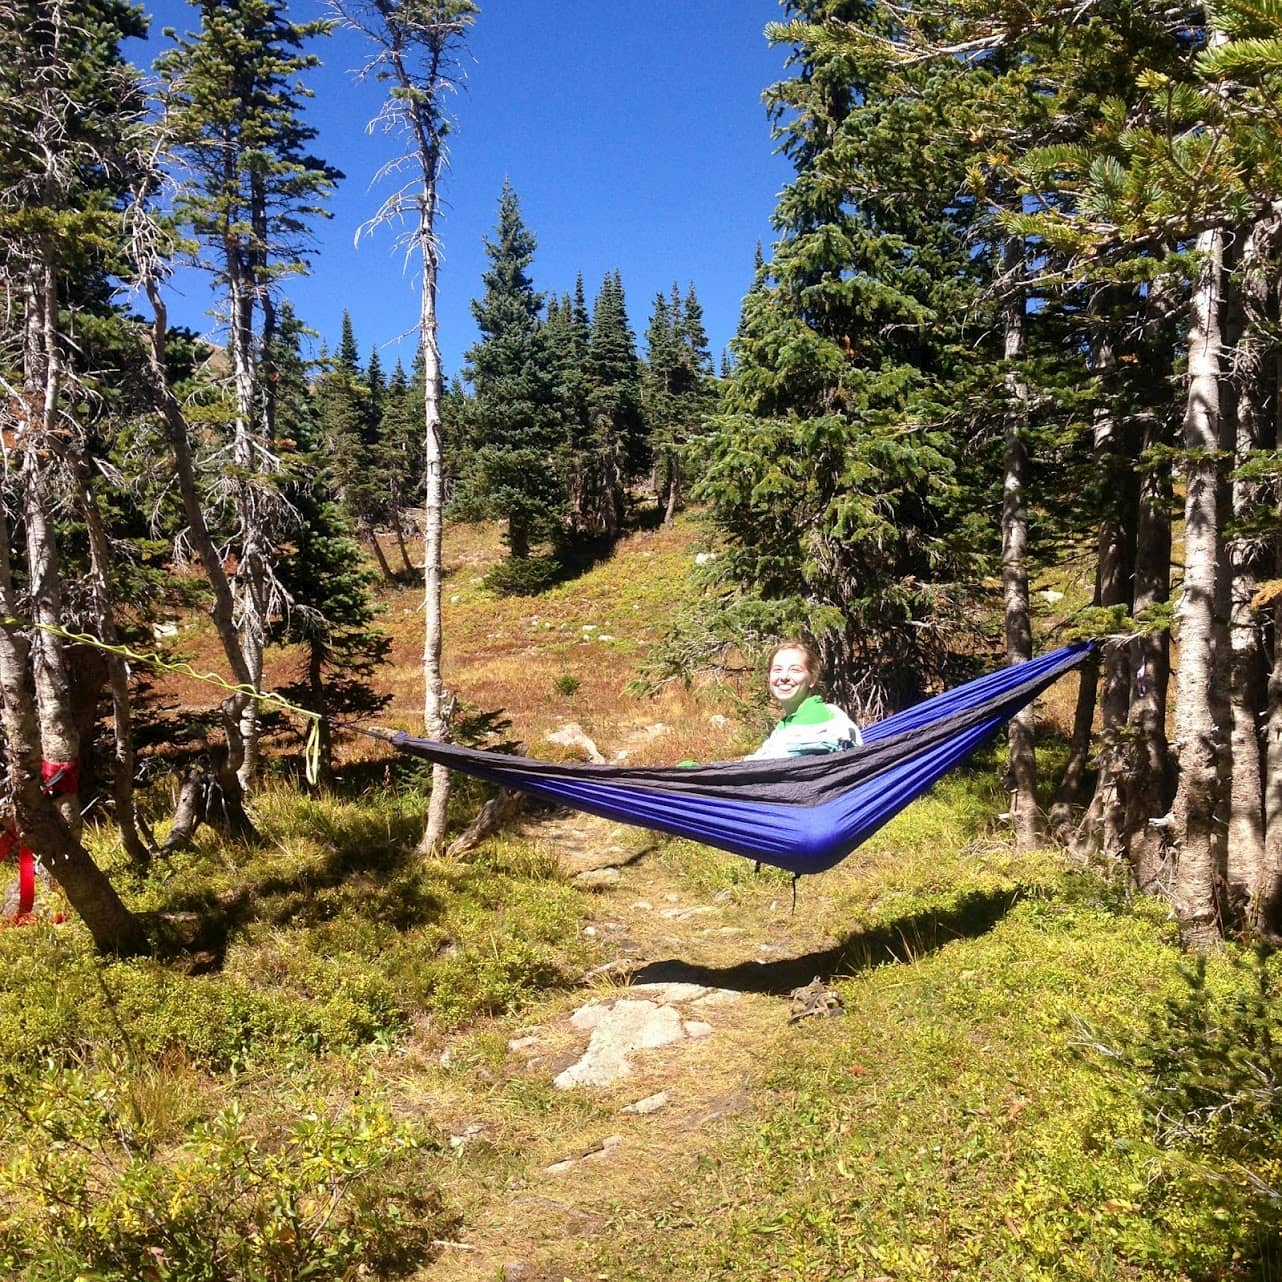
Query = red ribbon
x=26 y=872
x=59 y=777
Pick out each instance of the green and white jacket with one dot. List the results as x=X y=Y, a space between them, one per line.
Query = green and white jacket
x=813 y=728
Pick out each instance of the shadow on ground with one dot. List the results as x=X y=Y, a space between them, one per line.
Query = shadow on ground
x=901 y=940
x=366 y=869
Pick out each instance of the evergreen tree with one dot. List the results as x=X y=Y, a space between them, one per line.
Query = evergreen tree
x=247 y=187
x=834 y=468
x=399 y=461
x=331 y=611
x=515 y=460
x=678 y=390
x=350 y=426
x=616 y=447
x=569 y=332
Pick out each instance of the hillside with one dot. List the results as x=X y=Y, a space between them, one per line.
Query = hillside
x=363 y=1066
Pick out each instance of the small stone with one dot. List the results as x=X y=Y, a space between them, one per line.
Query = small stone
x=522 y=1043
x=558 y=1167
x=515 y=1271
x=725 y=896
x=672 y=897
x=459 y=1142
x=651 y=1104
x=718 y=720
x=597 y=878
x=572 y=735
x=590 y=932
x=643 y=905
x=697 y=1028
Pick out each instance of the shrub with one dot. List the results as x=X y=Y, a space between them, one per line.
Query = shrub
x=324 y=1196
x=1211 y=1094
x=566 y=684
x=523 y=576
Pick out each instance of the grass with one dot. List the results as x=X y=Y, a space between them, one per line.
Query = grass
x=328 y=1040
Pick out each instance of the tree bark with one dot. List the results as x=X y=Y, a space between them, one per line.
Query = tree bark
x=1019 y=633
x=1112 y=588
x=1249 y=311
x=1070 y=793
x=1196 y=808
x=435 y=719
x=122 y=782
x=113 y=927
x=377 y=548
x=224 y=611
x=1148 y=775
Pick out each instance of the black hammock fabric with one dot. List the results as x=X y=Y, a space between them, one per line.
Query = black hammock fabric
x=802 y=814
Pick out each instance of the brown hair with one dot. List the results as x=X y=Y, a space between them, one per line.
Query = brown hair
x=806 y=650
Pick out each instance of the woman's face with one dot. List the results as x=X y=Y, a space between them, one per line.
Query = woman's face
x=790 y=680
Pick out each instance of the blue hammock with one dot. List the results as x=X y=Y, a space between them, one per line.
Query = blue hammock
x=802 y=814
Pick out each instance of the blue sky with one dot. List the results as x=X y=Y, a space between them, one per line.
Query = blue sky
x=634 y=135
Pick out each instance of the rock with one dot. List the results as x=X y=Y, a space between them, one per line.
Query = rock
x=522 y=1043
x=672 y=991
x=597 y=878
x=651 y=1104
x=460 y=1141
x=697 y=1028
x=617 y=1031
x=516 y=1271
x=572 y=735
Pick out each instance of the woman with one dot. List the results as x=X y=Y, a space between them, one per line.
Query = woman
x=809 y=725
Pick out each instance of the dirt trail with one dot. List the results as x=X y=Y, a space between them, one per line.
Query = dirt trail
x=719 y=972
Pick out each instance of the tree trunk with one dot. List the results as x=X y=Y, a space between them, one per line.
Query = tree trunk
x=1268 y=898
x=113 y=927
x=122 y=783
x=1019 y=634
x=377 y=548
x=325 y=736
x=1268 y=902
x=1070 y=794
x=1248 y=311
x=1148 y=777
x=435 y=719
x=398 y=524
x=674 y=488
x=1104 y=821
x=1196 y=808
x=224 y=611
x=518 y=535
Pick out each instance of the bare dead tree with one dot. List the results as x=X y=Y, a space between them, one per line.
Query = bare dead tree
x=416 y=46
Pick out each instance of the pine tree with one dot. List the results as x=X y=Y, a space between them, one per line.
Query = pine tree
x=616 y=449
x=331 y=612
x=678 y=390
x=247 y=188
x=515 y=454
x=833 y=469
x=70 y=109
x=569 y=333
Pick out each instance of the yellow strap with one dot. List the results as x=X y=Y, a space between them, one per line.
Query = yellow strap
x=311 y=743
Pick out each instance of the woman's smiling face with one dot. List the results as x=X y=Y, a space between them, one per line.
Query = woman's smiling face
x=790 y=678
